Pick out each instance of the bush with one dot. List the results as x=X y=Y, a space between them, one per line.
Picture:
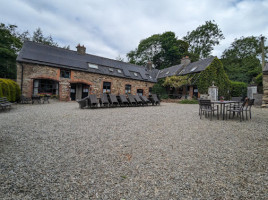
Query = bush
x=9 y=89
x=159 y=89
x=238 y=89
x=214 y=72
x=187 y=101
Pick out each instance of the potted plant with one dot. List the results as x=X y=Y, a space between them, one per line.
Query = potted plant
x=221 y=98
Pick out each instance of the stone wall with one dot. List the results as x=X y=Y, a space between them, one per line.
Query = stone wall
x=265 y=90
x=33 y=71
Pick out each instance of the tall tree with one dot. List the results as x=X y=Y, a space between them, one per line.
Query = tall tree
x=10 y=44
x=203 y=39
x=164 y=50
x=241 y=60
x=39 y=37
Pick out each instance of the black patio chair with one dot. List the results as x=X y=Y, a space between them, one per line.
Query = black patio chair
x=4 y=103
x=93 y=101
x=145 y=100
x=239 y=110
x=123 y=100
x=138 y=99
x=104 y=100
x=132 y=100
x=113 y=100
x=24 y=99
x=83 y=102
x=207 y=107
x=248 y=106
x=154 y=99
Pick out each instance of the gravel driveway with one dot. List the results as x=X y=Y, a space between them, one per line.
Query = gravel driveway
x=58 y=151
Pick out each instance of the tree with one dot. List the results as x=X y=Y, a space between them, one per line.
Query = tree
x=10 y=44
x=39 y=37
x=202 y=40
x=241 y=60
x=164 y=50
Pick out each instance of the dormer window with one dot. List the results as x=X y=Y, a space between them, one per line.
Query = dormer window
x=119 y=71
x=135 y=74
x=150 y=77
x=181 y=71
x=167 y=72
x=111 y=69
x=93 y=66
x=193 y=69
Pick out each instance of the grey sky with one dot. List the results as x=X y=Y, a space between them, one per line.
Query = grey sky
x=114 y=27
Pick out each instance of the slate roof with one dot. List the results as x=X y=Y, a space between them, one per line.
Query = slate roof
x=194 y=67
x=37 y=53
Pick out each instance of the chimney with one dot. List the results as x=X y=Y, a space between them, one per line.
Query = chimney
x=185 y=61
x=149 y=66
x=81 y=49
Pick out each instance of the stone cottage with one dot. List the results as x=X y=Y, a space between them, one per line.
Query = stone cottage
x=72 y=75
x=265 y=86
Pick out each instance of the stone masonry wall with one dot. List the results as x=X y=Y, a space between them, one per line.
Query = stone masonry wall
x=265 y=90
x=32 y=71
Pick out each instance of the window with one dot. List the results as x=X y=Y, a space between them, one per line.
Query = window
x=193 y=69
x=128 y=89
x=65 y=73
x=150 y=90
x=167 y=72
x=140 y=92
x=45 y=86
x=135 y=74
x=119 y=71
x=150 y=77
x=93 y=66
x=111 y=69
x=181 y=71
x=106 y=87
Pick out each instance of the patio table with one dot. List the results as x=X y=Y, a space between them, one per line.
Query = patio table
x=222 y=104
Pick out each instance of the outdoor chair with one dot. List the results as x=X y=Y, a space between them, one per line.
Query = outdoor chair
x=83 y=102
x=138 y=99
x=132 y=100
x=154 y=99
x=239 y=110
x=4 y=103
x=24 y=99
x=92 y=101
x=113 y=100
x=36 y=98
x=207 y=107
x=104 y=100
x=46 y=98
x=123 y=100
x=248 y=106
x=145 y=100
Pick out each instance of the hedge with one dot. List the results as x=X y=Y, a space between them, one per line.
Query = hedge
x=9 y=89
x=238 y=89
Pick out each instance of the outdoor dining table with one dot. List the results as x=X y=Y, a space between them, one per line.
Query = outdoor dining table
x=222 y=106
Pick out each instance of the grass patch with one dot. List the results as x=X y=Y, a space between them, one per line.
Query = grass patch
x=187 y=101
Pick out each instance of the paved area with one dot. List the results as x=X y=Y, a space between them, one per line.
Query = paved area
x=57 y=151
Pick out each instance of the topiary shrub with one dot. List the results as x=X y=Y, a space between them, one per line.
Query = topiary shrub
x=9 y=89
x=238 y=89
x=214 y=72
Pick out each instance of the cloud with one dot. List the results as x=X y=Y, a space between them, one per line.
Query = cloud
x=112 y=27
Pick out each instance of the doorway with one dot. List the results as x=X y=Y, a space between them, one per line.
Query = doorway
x=79 y=91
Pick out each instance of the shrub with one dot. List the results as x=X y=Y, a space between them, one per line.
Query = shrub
x=187 y=101
x=214 y=72
x=238 y=89
x=9 y=89
x=159 y=89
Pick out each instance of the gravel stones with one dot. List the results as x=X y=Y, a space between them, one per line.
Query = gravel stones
x=58 y=151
